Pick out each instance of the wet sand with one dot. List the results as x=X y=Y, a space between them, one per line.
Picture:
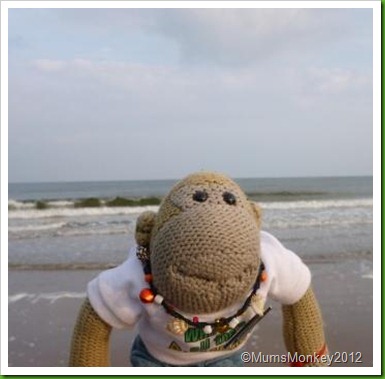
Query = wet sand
x=41 y=318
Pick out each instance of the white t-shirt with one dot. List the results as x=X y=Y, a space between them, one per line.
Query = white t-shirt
x=114 y=295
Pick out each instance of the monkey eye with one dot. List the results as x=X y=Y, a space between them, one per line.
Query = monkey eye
x=200 y=196
x=229 y=198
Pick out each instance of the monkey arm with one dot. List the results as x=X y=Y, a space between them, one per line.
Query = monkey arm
x=90 y=340
x=303 y=328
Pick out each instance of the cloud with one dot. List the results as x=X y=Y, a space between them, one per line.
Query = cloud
x=158 y=91
x=334 y=80
x=146 y=81
x=49 y=65
x=255 y=91
x=227 y=36
x=199 y=37
x=242 y=37
x=321 y=87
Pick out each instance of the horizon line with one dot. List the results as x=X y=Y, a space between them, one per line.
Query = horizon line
x=177 y=179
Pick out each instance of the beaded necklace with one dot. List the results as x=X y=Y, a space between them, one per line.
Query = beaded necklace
x=149 y=295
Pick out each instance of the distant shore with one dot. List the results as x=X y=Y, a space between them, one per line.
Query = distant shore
x=43 y=307
x=89 y=202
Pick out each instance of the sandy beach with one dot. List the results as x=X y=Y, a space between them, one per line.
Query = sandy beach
x=43 y=307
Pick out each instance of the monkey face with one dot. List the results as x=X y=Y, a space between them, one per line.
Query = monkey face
x=205 y=244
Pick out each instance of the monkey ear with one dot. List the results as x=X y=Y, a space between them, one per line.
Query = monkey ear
x=144 y=226
x=257 y=211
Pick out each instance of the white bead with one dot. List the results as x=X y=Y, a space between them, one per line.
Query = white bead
x=208 y=329
x=159 y=299
x=257 y=304
x=233 y=323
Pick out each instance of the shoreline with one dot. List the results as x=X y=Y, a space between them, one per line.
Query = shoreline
x=41 y=321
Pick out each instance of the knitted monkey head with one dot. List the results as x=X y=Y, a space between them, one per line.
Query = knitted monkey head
x=203 y=243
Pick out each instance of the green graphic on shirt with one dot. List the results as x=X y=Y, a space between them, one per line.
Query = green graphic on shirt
x=203 y=346
x=224 y=337
x=174 y=346
x=194 y=335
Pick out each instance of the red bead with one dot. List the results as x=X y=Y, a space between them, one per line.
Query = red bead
x=263 y=276
x=148 y=278
x=146 y=295
x=195 y=320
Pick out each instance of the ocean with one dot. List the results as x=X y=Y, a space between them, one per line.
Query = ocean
x=91 y=224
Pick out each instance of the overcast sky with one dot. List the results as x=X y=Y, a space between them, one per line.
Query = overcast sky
x=104 y=94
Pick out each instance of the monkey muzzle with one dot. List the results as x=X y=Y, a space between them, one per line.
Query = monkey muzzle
x=206 y=259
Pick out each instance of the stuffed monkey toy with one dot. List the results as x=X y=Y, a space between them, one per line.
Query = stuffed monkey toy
x=196 y=284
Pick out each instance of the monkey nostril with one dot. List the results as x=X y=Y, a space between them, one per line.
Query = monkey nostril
x=200 y=196
x=229 y=198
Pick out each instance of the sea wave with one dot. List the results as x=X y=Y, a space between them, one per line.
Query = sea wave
x=26 y=210
x=64 y=219
x=319 y=204
x=313 y=223
x=35 y=228
x=52 y=297
x=70 y=211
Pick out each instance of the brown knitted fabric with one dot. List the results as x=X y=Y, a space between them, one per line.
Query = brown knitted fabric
x=144 y=227
x=205 y=249
x=303 y=327
x=90 y=340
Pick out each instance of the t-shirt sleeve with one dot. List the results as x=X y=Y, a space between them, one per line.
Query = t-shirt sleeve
x=114 y=294
x=289 y=278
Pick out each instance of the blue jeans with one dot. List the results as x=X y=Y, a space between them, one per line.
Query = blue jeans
x=140 y=357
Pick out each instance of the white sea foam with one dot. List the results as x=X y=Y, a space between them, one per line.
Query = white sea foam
x=50 y=296
x=16 y=205
x=91 y=232
x=297 y=223
x=82 y=226
x=35 y=228
x=76 y=212
x=319 y=204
